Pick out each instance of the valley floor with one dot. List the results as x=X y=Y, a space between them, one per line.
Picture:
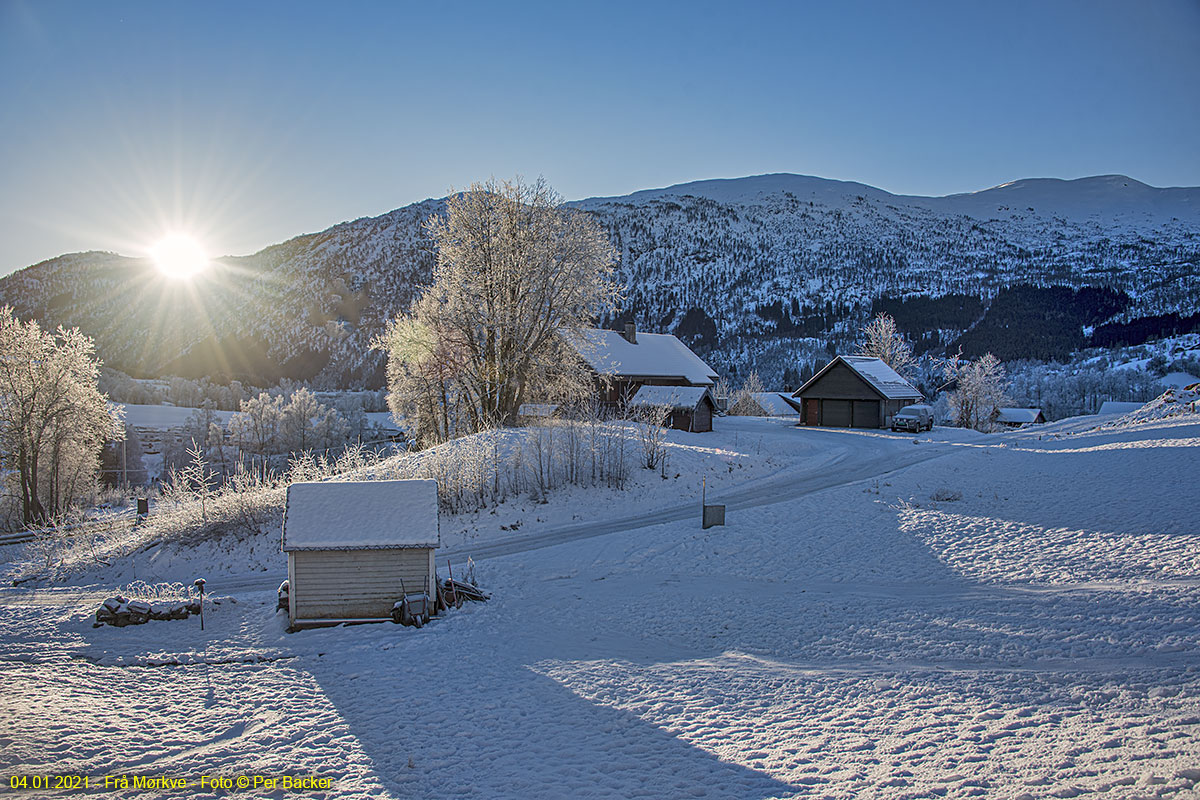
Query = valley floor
x=1035 y=632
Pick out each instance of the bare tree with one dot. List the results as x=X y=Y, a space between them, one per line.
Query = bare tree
x=257 y=428
x=515 y=271
x=980 y=392
x=53 y=418
x=881 y=339
x=652 y=421
x=744 y=403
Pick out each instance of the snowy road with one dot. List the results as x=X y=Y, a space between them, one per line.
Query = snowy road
x=851 y=457
x=845 y=457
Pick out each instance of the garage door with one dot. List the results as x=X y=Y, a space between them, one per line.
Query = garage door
x=835 y=413
x=866 y=413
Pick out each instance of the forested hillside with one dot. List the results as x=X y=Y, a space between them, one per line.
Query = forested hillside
x=768 y=272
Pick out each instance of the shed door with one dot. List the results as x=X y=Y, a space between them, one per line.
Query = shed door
x=835 y=413
x=357 y=584
x=866 y=413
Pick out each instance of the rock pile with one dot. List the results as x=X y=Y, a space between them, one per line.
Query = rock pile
x=120 y=611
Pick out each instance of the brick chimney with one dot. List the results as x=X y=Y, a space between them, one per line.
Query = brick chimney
x=630 y=333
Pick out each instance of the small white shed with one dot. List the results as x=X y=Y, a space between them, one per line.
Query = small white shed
x=351 y=545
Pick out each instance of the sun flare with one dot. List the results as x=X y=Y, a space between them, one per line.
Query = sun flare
x=179 y=256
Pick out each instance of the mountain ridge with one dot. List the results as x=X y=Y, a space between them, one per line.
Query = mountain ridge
x=755 y=271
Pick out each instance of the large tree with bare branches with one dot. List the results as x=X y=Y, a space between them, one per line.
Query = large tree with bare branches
x=516 y=269
x=882 y=339
x=53 y=418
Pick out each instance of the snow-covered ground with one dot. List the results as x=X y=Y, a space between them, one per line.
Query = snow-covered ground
x=1033 y=632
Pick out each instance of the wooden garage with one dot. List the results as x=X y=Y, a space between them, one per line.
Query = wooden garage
x=854 y=392
x=691 y=407
x=354 y=548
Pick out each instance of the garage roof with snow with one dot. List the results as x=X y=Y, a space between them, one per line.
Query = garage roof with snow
x=358 y=515
x=878 y=375
x=655 y=355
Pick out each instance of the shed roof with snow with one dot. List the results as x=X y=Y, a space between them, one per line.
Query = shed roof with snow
x=675 y=397
x=1019 y=416
x=878 y=375
x=361 y=515
x=649 y=355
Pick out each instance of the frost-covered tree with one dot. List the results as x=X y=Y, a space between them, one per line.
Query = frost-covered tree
x=256 y=428
x=515 y=270
x=53 y=418
x=743 y=403
x=881 y=339
x=980 y=392
x=298 y=423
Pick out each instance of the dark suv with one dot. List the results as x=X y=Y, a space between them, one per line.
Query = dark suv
x=913 y=418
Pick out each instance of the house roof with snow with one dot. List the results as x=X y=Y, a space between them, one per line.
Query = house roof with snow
x=1178 y=380
x=776 y=404
x=676 y=397
x=650 y=355
x=358 y=515
x=878 y=375
x=1019 y=416
x=1118 y=407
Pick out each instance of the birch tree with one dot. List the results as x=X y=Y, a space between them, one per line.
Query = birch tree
x=980 y=392
x=882 y=339
x=53 y=418
x=516 y=269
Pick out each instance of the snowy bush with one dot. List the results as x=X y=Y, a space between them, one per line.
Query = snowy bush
x=945 y=495
x=473 y=472
x=742 y=403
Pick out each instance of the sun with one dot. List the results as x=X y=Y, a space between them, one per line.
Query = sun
x=179 y=256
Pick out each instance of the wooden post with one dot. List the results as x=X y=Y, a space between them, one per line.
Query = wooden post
x=200 y=586
x=709 y=515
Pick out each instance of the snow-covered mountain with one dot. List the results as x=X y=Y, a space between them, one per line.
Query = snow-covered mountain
x=764 y=270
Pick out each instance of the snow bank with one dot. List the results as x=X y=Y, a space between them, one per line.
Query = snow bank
x=1033 y=633
x=1171 y=403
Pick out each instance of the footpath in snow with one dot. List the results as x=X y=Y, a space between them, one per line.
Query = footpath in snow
x=997 y=616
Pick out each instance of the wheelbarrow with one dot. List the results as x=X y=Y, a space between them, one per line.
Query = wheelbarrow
x=413 y=608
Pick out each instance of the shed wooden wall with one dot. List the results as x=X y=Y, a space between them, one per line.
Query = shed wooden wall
x=698 y=420
x=354 y=584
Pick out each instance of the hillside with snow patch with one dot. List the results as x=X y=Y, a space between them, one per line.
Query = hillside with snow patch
x=760 y=271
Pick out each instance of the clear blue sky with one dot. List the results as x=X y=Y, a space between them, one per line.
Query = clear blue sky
x=248 y=123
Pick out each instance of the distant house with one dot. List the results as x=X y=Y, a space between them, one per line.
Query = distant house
x=1016 y=417
x=854 y=392
x=691 y=407
x=528 y=412
x=776 y=404
x=354 y=548
x=1118 y=407
x=624 y=361
x=1178 y=380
